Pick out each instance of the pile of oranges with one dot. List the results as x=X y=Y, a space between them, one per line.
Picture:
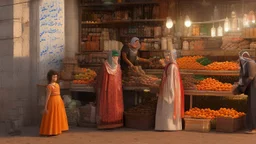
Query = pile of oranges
x=222 y=66
x=82 y=81
x=211 y=114
x=189 y=62
x=210 y=84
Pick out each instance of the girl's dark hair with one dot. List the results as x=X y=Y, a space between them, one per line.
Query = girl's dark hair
x=50 y=74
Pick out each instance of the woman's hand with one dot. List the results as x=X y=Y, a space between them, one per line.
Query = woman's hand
x=162 y=62
x=131 y=65
x=45 y=111
x=149 y=62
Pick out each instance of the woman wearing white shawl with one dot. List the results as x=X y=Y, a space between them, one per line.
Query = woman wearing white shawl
x=109 y=111
x=247 y=85
x=170 y=105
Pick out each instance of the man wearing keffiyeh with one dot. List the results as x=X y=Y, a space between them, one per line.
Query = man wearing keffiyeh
x=247 y=85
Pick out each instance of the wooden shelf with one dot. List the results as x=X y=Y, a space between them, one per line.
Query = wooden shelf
x=83 y=88
x=215 y=52
x=196 y=72
x=128 y=36
x=122 y=21
x=249 y=38
x=208 y=93
x=124 y=4
x=208 y=72
x=200 y=37
x=151 y=50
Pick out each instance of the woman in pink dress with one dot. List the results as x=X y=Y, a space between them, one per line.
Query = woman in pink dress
x=109 y=94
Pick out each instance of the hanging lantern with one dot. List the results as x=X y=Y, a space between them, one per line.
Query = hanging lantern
x=251 y=17
x=226 y=25
x=245 y=21
x=213 y=31
x=187 y=22
x=169 y=23
x=220 y=31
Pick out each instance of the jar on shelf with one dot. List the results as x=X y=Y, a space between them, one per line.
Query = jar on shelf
x=169 y=43
x=157 y=31
x=213 y=31
x=220 y=31
x=163 y=43
x=191 y=45
x=185 y=45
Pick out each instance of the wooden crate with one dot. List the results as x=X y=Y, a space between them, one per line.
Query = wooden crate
x=229 y=125
x=139 y=121
x=198 y=125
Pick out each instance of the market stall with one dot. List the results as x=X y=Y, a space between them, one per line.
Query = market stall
x=207 y=52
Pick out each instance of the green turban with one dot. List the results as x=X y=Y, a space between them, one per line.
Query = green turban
x=115 y=53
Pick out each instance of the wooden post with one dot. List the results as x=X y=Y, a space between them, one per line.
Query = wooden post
x=190 y=101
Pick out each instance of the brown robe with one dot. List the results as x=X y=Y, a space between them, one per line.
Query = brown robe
x=249 y=88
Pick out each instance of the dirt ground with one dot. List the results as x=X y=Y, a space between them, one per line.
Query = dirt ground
x=127 y=136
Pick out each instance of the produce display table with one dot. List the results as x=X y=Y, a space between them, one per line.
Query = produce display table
x=84 y=88
x=192 y=93
x=208 y=72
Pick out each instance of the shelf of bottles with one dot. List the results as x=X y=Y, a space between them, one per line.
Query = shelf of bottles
x=118 y=22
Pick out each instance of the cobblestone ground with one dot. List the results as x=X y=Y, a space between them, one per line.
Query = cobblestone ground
x=127 y=136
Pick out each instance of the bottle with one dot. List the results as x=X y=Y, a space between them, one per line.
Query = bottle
x=164 y=43
x=216 y=13
x=220 y=31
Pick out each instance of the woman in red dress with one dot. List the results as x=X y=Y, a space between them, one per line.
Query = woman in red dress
x=109 y=94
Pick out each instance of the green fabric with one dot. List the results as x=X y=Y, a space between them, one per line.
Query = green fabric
x=115 y=53
x=204 y=61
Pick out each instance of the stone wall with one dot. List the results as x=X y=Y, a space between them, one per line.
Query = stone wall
x=19 y=50
x=14 y=62
x=71 y=27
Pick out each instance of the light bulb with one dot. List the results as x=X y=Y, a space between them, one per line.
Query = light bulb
x=226 y=25
x=187 y=22
x=169 y=23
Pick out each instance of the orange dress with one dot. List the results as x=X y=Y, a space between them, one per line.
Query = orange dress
x=55 y=120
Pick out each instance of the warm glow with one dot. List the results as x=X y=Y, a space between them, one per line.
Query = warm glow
x=253 y=18
x=187 y=22
x=226 y=25
x=245 y=20
x=213 y=31
x=169 y=23
x=220 y=31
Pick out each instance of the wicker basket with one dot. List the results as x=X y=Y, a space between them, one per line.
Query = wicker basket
x=66 y=75
x=87 y=116
x=199 y=125
x=229 y=125
x=139 y=121
x=73 y=116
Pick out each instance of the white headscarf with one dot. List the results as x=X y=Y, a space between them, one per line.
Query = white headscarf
x=172 y=55
x=243 y=61
x=110 y=61
x=110 y=65
x=133 y=40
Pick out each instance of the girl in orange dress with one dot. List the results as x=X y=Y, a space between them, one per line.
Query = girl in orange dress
x=54 y=119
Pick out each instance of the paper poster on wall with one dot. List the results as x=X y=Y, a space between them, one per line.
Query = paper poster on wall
x=52 y=36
